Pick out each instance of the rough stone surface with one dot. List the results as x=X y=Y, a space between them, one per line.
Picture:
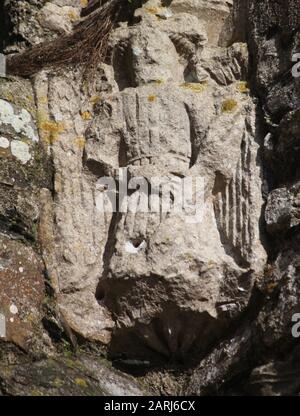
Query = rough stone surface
x=190 y=88
x=274 y=38
x=28 y=22
x=79 y=376
x=22 y=290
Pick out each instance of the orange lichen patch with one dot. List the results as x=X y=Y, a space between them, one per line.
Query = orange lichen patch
x=229 y=106
x=242 y=87
x=86 y=115
x=80 y=142
x=153 y=10
x=50 y=130
x=84 y=3
x=4 y=152
x=197 y=87
x=271 y=287
x=73 y=16
x=152 y=98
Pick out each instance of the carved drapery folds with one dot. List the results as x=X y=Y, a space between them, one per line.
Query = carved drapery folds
x=173 y=103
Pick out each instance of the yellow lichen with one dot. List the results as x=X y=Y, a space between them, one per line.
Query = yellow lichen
x=84 y=3
x=72 y=363
x=80 y=142
x=95 y=99
x=153 y=10
x=81 y=382
x=229 y=106
x=242 y=87
x=6 y=371
x=58 y=383
x=243 y=46
x=86 y=115
x=4 y=152
x=152 y=98
x=73 y=16
x=30 y=317
x=36 y=392
x=43 y=100
x=9 y=97
x=210 y=264
x=197 y=87
x=50 y=129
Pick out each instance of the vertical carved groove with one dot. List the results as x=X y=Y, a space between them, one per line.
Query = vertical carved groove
x=233 y=207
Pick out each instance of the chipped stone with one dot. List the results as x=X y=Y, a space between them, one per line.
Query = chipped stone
x=130 y=248
x=4 y=143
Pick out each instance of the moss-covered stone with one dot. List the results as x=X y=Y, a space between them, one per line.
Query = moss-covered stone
x=55 y=377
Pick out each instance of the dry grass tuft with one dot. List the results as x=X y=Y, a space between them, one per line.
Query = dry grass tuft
x=87 y=45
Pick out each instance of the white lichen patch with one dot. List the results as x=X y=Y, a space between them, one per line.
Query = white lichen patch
x=21 y=151
x=137 y=51
x=21 y=121
x=4 y=143
x=13 y=309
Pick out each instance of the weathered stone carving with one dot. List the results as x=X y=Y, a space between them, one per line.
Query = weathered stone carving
x=170 y=101
x=168 y=108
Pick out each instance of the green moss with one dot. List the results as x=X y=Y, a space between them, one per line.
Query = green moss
x=74 y=364
x=18 y=92
x=58 y=383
